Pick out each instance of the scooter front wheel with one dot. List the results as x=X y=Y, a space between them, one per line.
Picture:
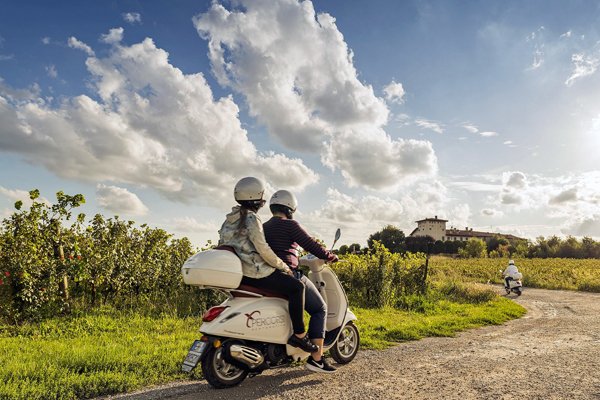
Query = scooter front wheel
x=218 y=372
x=345 y=348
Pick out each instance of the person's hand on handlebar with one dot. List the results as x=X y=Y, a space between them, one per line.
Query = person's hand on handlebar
x=335 y=259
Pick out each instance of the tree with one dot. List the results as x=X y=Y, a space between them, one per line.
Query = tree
x=449 y=247
x=458 y=244
x=343 y=250
x=391 y=237
x=496 y=242
x=438 y=247
x=354 y=248
x=422 y=244
x=475 y=248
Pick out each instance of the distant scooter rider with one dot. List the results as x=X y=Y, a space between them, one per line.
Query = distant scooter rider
x=509 y=272
x=284 y=234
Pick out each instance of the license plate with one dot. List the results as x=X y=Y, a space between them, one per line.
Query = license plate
x=193 y=356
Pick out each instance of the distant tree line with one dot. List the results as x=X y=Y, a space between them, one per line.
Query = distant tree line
x=394 y=239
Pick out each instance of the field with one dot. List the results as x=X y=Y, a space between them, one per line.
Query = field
x=548 y=273
x=95 y=350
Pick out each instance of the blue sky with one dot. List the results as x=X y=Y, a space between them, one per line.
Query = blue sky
x=373 y=113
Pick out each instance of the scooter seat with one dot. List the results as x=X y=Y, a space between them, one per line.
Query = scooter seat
x=239 y=292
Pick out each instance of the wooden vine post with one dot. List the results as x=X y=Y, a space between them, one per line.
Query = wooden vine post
x=60 y=254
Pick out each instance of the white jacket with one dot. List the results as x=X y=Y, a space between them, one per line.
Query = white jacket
x=258 y=260
x=510 y=271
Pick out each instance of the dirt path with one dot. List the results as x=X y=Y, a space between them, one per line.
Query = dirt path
x=551 y=353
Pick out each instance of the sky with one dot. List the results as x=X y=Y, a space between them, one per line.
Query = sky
x=486 y=114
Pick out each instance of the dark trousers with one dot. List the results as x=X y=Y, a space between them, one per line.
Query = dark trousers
x=282 y=283
x=506 y=280
x=315 y=306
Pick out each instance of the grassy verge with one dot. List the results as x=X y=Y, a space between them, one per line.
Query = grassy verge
x=109 y=351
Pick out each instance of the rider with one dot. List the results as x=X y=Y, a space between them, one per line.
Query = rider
x=509 y=272
x=261 y=268
x=284 y=235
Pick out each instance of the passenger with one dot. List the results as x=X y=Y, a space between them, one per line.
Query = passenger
x=284 y=235
x=261 y=268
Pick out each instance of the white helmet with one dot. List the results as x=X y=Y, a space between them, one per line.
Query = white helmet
x=286 y=199
x=249 y=189
x=511 y=262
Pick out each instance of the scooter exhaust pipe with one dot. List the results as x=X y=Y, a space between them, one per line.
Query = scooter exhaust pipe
x=247 y=355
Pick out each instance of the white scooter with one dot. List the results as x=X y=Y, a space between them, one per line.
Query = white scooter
x=515 y=284
x=248 y=332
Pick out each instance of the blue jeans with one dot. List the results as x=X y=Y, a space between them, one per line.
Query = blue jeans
x=315 y=306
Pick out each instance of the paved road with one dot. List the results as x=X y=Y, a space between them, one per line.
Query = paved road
x=551 y=353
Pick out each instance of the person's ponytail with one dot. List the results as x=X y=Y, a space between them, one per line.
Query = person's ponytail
x=243 y=215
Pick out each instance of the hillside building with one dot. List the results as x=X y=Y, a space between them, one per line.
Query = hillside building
x=436 y=228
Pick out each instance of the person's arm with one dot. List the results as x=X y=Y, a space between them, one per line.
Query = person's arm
x=309 y=244
x=257 y=236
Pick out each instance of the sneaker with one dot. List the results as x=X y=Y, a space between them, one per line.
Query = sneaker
x=303 y=343
x=319 y=366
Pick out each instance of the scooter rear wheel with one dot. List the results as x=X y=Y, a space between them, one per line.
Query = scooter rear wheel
x=218 y=372
x=345 y=348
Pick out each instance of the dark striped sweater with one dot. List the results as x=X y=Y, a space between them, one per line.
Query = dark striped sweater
x=284 y=236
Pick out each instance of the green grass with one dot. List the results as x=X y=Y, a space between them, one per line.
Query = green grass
x=108 y=351
x=100 y=353
x=381 y=328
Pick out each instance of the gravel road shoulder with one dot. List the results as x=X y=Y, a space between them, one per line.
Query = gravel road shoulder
x=553 y=352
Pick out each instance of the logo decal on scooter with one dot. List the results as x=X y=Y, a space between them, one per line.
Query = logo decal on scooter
x=251 y=318
x=257 y=322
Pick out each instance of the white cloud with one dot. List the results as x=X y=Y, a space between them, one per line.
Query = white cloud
x=132 y=18
x=565 y=196
x=516 y=180
x=15 y=195
x=119 y=200
x=357 y=216
x=538 y=58
x=190 y=225
x=470 y=127
x=51 y=71
x=583 y=66
x=76 y=44
x=488 y=134
x=343 y=208
x=394 y=93
x=46 y=40
x=567 y=34
x=113 y=36
x=374 y=161
x=460 y=216
x=476 y=186
x=153 y=127
x=7 y=57
x=297 y=75
x=434 y=126
x=19 y=94
x=491 y=212
x=585 y=226
x=508 y=142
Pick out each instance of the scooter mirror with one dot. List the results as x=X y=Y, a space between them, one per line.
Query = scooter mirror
x=337 y=236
